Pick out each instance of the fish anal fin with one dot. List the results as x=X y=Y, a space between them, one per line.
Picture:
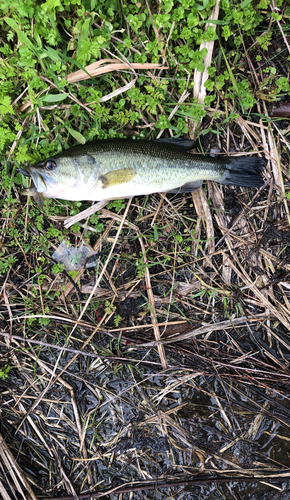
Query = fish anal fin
x=116 y=177
x=187 y=188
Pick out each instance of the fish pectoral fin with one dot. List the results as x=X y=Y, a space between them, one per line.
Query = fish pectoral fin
x=187 y=188
x=32 y=192
x=38 y=197
x=116 y=177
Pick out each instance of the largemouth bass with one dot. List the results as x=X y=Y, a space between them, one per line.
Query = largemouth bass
x=120 y=168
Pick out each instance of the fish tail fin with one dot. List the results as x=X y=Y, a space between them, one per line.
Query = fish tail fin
x=244 y=171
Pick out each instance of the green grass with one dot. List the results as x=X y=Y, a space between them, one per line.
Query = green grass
x=55 y=38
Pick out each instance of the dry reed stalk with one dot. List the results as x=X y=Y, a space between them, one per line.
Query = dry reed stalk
x=19 y=480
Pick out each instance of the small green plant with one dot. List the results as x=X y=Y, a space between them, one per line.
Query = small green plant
x=141 y=269
x=6 y=263
x=73 y=274
x=109 y=308
x=4 y=371
x=57 y=268
x=283 y=84
x=265 y=40
x=117 y=205
x=44 y=321
x=179 y=238
x=117 y=320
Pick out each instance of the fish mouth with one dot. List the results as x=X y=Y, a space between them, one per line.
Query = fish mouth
x=27 y=172
x=41 y=180
x=38 y=180
x=24 y=172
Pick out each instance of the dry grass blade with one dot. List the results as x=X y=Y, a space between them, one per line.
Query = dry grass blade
x=3 y=492
x=182 y=98
x=119 y=90
x=285 y=200
x=264 y=301
x=12 y=468
x=209 y=328
x=85 y=213
x=199 y=90
x=160 y=347
x=203 y=211
x=159 y=483
x=107 y=261
x=19 y=134
x=199 y=79
x=106 y=66
x=96 y=69
x=274 y=8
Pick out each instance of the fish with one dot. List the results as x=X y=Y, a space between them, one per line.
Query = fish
x=122 y=168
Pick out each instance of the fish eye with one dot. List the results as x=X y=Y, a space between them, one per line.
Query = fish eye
x=50 y=165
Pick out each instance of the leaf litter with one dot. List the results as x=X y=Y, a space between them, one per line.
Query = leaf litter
x=172 y=377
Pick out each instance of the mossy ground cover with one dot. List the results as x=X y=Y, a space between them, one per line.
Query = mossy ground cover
x=170 y=378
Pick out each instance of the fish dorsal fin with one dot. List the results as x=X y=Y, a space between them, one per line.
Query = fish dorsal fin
x=188 y=187
x=116 y=177
x=180 y=142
